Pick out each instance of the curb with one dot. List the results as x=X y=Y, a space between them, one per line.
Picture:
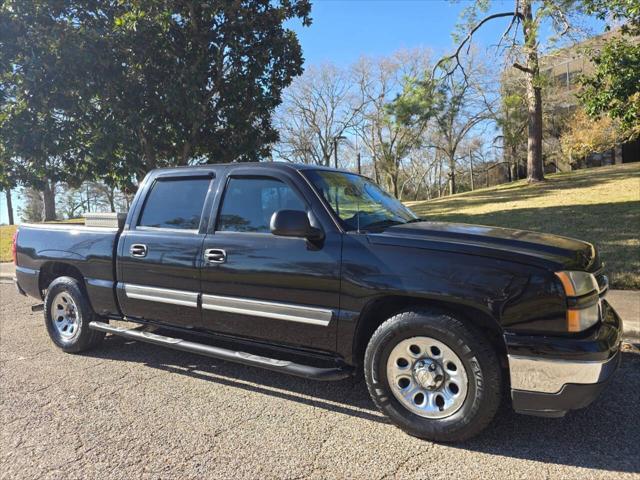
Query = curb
x=627 y=304
x=7 y=271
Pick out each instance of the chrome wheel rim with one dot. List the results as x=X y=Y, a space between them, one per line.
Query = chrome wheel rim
x=427 y=377
x=65 y=315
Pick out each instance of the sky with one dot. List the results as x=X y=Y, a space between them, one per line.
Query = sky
x=344 y=30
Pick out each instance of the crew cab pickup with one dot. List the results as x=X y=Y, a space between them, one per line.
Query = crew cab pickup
x=319 y=273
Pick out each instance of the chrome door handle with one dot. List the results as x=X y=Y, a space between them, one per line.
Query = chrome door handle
x=138 y=250
x=215 y=255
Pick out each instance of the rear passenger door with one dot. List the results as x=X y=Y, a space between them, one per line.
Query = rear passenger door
x=265 y=287
x=160 y=254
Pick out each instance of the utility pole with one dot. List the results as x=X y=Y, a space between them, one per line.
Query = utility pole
x=471 y=167
x=335 y=149
x=358 y=164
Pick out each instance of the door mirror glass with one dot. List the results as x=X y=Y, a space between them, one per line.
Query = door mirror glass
x=293 y=223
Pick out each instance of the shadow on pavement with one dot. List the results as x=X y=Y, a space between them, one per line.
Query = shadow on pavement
x=606 y=435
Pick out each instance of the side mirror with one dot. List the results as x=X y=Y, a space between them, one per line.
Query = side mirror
x=294 y=223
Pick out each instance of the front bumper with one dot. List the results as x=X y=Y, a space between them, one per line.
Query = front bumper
x=552 y=375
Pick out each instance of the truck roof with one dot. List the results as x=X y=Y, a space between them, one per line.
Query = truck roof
x=256 y=165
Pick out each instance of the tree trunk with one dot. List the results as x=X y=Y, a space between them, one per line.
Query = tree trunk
x=452 y=175
x=185 y=155
x=395 y=178
x=149 y=154
x=376 y=173
x=49 y=198
x=7 y=193
x=471 y=168
x=111 y=197
x=326 y=159
x=535 y=167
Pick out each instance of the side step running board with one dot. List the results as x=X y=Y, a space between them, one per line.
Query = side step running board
x=282 y=366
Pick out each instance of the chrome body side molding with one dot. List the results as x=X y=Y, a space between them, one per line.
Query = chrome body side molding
x=242 y=306
x=161 y=295
x=260 y=308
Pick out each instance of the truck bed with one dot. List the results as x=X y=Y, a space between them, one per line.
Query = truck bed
x=45 y=250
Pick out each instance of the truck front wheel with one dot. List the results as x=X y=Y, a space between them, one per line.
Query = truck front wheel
x=67 y=314
x=434 y=376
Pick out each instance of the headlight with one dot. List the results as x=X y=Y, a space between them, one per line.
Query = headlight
x=583 y=301
x=577 y=284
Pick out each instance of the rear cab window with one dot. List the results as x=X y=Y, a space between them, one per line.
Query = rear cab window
x=175 y=203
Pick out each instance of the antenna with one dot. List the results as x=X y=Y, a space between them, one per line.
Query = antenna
x=358 y=213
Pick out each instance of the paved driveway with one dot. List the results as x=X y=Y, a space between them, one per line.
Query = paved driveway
x=131 y=410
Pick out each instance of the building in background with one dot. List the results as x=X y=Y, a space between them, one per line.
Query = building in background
x=561 y=71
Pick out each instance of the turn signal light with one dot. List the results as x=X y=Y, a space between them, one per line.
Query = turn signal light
x=581 y=290
x=579 y=320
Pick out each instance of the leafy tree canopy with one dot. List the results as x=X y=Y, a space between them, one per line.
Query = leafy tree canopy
x=614 y=87
x=112 y=89
x=625 y=11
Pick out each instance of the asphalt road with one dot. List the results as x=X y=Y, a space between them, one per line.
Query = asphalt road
x=131 y=410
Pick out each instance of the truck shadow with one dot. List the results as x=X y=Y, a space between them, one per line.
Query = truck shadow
x=604 y=436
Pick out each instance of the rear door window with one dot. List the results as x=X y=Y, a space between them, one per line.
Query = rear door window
x=175 y=204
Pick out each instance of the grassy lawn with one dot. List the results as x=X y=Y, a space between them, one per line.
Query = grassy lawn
x=599 y=205
x=6 y=236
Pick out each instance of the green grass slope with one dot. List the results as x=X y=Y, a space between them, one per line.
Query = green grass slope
x=6 y=236
x=599 y=205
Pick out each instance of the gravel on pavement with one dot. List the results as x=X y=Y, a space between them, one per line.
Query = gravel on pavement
x=132 y=410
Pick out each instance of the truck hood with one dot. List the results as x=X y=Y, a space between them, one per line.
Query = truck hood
x=539 y=249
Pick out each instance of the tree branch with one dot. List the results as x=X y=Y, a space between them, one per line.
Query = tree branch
x=523 y=68
x=456 y=55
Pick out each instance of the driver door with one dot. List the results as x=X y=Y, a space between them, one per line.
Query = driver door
x=261 y=286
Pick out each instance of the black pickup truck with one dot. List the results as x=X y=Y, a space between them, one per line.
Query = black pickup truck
x=319 y=273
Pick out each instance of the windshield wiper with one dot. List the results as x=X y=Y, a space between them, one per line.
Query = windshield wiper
x=382 y=224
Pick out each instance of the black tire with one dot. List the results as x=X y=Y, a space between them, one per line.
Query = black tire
x=484 y=386
x=80 y=337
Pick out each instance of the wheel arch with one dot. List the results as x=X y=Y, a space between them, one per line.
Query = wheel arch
x=381 y=309
x=55 y=269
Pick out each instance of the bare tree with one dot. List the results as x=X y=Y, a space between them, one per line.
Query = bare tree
x=32 y=208
x=467 y=103
x=521 y=41
x=318 y=109
x=105 y=195
x=388 y=140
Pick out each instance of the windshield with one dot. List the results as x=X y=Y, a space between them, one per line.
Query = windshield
x=358 y=202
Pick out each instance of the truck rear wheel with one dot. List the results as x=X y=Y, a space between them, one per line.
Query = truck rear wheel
x=67 y=314
x=434 y=376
